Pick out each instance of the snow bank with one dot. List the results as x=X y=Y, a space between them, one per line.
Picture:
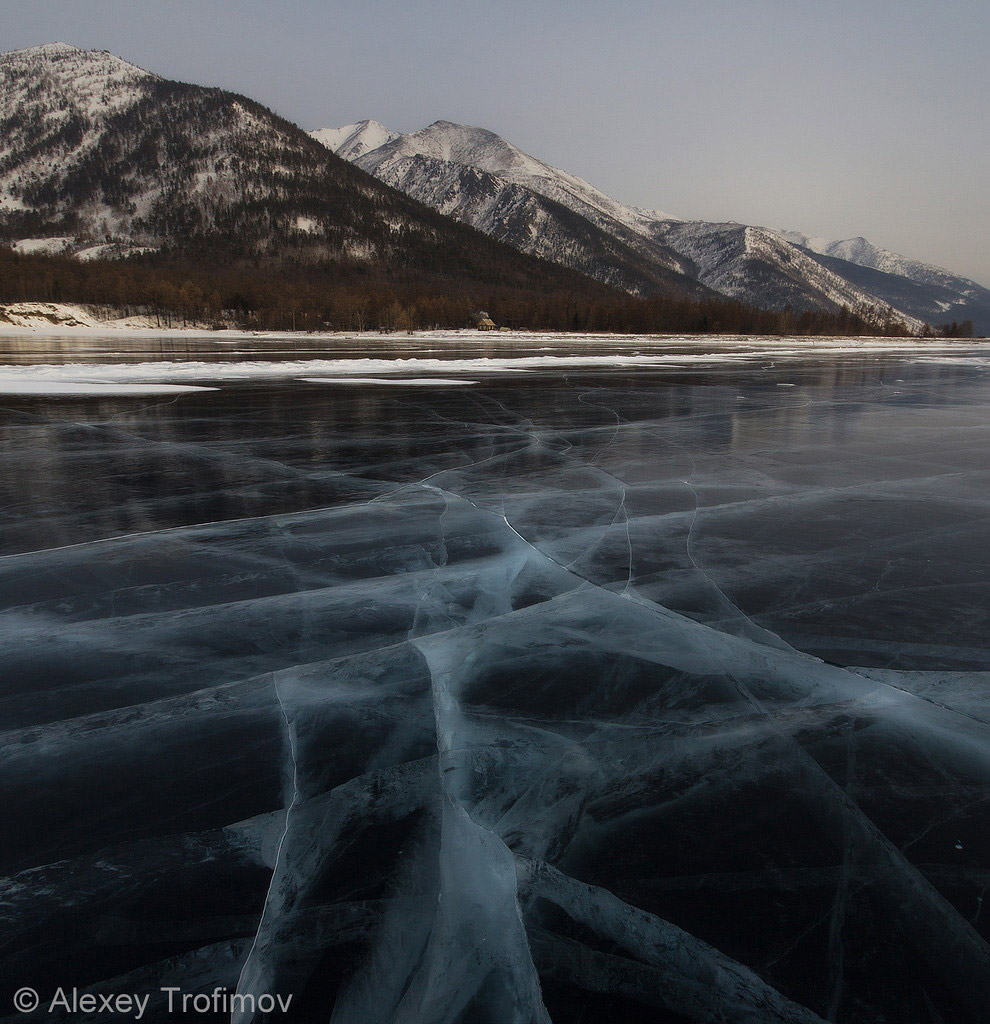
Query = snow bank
x=55 y=317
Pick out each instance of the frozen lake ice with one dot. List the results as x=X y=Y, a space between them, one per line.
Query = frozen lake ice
x=428 y=681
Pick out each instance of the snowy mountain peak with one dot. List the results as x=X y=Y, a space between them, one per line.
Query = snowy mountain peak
x=476 y=176
x=88 y=83
x=460 y=144
x=45 y=50
x=859 y=250
x=863 y=253
x=68 y=62
x=468 y=146
x=354 y=140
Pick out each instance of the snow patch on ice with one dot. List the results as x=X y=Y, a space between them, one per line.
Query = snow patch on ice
x=14 y=381
x=402 y=382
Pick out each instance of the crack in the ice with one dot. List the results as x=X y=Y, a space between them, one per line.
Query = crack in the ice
x=277 y=865
x=840 y=901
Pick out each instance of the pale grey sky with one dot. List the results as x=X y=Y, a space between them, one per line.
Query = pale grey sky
x=836 y=118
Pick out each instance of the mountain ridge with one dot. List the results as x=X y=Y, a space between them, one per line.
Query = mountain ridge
x=768 y=267
x=99 y=152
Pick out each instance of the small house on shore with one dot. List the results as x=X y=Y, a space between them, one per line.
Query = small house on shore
x=485 y=322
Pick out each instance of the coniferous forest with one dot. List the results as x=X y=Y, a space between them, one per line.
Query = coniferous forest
x=263 y=293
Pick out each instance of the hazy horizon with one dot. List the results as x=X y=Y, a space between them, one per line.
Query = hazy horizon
x=838 y=120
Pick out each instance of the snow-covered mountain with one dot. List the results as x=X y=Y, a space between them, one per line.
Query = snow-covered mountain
x=354 y=140
x=480 y=148
x=98 y=156
x=755 y=265
x=96 y=149
x=474 y=175
x=929 y=293
x=866 y=254
x=106 y=151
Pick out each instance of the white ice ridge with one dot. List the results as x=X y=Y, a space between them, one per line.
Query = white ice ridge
x=100 y=375
x=478 y=941
x=22 y=386
x=254 y=979
x=696 y=980
x=477 y=946
x=408 y=382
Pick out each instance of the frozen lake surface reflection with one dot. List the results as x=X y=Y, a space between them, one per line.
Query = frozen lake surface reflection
x=590 y=692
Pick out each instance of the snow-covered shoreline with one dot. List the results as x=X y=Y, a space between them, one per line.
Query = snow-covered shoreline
x=71 y=318
x=79 y=321
x=416 y=358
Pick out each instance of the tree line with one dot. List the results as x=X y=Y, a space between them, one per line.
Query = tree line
x=352 y=295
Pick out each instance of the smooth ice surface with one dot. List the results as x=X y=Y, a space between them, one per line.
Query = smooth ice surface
x=594 y=691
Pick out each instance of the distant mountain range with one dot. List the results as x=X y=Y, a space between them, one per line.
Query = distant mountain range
x=100 y=158
x=479 y=178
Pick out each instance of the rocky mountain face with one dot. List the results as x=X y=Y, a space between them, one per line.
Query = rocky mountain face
x=475 y=176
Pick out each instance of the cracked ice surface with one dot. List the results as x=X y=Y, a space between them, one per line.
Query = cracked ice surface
x=590 y=697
